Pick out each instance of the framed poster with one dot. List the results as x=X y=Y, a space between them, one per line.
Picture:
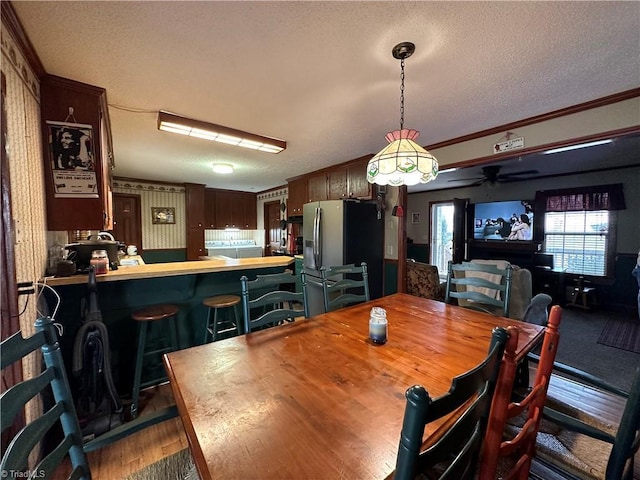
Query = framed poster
x=415 y=217
x=163 y=215
x=72 y=160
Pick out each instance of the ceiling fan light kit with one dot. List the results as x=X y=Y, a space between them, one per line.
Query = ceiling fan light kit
x=403 y=161
x=170 y=122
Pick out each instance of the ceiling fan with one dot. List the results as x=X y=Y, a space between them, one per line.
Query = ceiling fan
x=491 y=174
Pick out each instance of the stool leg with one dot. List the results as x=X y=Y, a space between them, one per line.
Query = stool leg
x=206 y=327
x=235 y=317
x=142 y=338
x=174 y=333
x=215 y=323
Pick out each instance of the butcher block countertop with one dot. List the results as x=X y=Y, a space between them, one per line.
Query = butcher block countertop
x=157 y=270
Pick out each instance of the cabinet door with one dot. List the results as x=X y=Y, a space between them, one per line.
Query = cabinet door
x=209 y=208
x=194 y=203
x=297 y=196
x=237 y=209
x=317 y=187
x=358 y=186
x=337 y=184
x=250 y=206
x=195 y=243
x=86 y=149
x=223 y=205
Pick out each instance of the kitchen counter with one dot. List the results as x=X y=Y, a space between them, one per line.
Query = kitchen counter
x=121 y=292
x=156 y=270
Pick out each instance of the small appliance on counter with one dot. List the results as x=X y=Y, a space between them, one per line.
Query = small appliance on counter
x=82 y=251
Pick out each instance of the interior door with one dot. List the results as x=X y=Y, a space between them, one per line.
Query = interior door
x=459 y=229
x=272 y=231
x=127 y=221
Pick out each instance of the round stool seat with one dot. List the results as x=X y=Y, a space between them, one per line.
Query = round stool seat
x=155 y=312
x=221 y=301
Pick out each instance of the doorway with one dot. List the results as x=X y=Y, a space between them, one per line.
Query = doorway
x=127 y=222
x=441 y=244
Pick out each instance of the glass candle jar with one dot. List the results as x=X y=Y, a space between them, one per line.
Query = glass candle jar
x=100 y=261
x=378 y=325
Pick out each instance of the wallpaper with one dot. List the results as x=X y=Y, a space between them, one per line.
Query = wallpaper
x=157 y=236
x=27 y=182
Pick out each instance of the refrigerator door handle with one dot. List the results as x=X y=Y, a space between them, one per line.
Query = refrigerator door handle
x=317 y=239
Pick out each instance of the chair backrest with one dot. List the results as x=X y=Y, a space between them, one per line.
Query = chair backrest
x=521 y=448
x=625 y=443
x=61 y=413
x=480 y=286
x=423 y=280
x=264 y=301
x=459 y=446
x=538 y=310
x=344 y=285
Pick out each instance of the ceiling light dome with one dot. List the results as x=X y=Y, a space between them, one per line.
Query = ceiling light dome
x=223 y=168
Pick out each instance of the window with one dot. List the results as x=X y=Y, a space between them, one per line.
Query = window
x=579 y=241
x=441 y=236
x=579 y=227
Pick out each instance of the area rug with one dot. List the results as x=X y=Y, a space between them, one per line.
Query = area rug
x=178 y=466
x=621 y=334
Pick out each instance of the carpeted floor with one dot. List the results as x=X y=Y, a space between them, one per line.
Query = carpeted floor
x=623 y=334
x=580 y=332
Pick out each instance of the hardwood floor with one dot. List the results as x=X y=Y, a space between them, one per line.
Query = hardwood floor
x=135 y=452
x=148 y=446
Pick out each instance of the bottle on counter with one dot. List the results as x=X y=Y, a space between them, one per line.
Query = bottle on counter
x=100 y=261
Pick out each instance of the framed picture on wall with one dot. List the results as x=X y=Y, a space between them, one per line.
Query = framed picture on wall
x=163 y=215
x=415 y=217
x=71 y=159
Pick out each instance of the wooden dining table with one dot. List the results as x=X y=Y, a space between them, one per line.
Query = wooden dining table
x=316 y=399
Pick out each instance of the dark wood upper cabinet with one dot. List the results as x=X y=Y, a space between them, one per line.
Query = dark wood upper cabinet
x=317 y=187
x=209 y=208
x=297 y=196
x=194 y=205
x=250 y=211
x=357 y=184
x=223 y=207
x=337 y=184
x=77 y=185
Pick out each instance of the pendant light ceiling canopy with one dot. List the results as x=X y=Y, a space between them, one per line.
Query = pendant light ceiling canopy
x=403 y=161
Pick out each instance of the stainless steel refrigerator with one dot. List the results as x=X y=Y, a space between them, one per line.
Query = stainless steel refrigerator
x=340 y=232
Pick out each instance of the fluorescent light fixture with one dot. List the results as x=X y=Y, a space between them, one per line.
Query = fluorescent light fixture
x=222 y=168
x=447 y=170
x=170 y=122
x=577 y=146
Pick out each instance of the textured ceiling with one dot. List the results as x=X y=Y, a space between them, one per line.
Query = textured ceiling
x=320 y=75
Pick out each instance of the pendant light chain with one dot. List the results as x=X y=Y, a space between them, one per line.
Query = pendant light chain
x=401 y=93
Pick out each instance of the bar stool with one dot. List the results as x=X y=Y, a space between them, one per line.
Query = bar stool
x=216 y=303
x=143 y=317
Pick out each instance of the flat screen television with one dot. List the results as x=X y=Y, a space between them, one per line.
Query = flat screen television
x=504 y=221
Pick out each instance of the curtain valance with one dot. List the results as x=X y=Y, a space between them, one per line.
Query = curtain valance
x=599 y=197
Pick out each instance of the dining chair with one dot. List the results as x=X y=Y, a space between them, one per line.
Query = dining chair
x=510 y=456
x=344 y=285
x=61 y=414
x=266 y=302
x=455 y=453
x=479 y=286
x=537 y=313
x=579 y=445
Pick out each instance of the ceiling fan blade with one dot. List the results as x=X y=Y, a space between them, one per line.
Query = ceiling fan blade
x=523 y=172
x=468 y=179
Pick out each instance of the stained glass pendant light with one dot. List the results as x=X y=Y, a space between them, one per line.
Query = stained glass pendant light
x=403 y=161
